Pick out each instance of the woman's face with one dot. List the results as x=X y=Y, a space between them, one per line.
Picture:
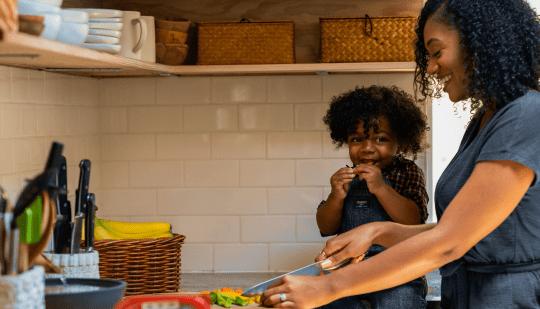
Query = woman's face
x=446 y=59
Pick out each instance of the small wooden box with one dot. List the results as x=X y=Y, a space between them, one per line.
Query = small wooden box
x=255 y=42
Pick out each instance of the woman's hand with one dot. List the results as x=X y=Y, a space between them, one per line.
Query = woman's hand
x=299 y=292
x=340 y=182
x=351 y=244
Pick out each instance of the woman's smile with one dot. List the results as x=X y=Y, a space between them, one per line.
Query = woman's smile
x=445 y=80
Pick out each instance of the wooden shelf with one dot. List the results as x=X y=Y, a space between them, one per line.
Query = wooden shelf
x=26 y=51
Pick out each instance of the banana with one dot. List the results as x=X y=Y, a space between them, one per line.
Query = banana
x=134 y=228
x=107 y=229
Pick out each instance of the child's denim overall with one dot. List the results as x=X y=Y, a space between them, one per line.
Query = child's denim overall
x=360 y=207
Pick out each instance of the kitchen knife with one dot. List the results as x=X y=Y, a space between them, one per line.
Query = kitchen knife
x=81 y=205
x=81 y=194
x=311 y=270
x=89 y=223
x=314 y=269
x=62 y=229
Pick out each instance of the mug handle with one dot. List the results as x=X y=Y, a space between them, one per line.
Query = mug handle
x=144 y=33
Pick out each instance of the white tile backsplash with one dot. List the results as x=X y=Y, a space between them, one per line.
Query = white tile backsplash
x=214 y=173
x=294 y=89
x=266 y=117
x=212 y=201
x=285 y=257
x=294 y=145
x=242 y=89
x=183 y=146
x=240 y=257
x=210 y=118
x=127 y=91
x=183 y=90
x=237 y=164
x=294 y=200
x=19 y=85
x=155 y=119
x=309 y=117
x=5 y=84
x=36 y=86
x=238 y=145
x=266 y=173
x=271 y=229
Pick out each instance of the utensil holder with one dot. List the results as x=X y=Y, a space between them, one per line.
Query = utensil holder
x=79 y=265
x=25 y=291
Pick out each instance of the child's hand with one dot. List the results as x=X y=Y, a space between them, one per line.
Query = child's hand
x=373 y=176
x=340 y=182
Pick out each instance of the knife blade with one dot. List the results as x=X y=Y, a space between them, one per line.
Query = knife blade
x=311 y=270
x=314 y=269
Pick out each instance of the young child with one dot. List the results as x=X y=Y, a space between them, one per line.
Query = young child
x=380 y=125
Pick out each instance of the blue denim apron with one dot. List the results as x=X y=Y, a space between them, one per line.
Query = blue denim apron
x=361 y=207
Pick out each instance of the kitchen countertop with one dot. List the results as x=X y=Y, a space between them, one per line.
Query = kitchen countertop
x=196 y=282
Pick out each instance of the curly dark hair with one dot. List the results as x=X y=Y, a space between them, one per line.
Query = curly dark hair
x=501 y=48
x=368 y=104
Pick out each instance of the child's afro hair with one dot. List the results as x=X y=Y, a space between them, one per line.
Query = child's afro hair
x=368 y=104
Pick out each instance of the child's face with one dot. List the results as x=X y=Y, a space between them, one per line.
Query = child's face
x=379 y=149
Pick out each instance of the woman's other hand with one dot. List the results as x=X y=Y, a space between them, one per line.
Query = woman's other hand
x=298 y=292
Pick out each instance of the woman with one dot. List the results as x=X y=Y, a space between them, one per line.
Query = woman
x=487 y=239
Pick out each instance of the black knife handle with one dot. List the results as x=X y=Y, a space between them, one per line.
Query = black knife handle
x=81 y=194
x=64 y=207
x=89 y=223
x=54 y=155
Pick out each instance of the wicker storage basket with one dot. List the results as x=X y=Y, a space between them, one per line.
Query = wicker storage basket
x=367 y=39
x=147 y=265
x=257 y=42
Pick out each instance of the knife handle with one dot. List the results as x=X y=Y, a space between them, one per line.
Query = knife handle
x=89 y=223
x=81 y=194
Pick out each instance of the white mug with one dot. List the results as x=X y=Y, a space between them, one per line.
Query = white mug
x=133 y=37
x=148 y=51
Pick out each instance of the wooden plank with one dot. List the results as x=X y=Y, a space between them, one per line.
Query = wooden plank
x=22 y=50
x=26 y=51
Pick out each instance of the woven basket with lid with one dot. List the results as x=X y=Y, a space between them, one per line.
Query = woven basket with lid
x=367 y=39
x=249 y=42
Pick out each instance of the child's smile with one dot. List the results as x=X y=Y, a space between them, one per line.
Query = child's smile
x=377 y=149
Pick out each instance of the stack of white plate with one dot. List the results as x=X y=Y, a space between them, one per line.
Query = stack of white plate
x=105 y=30
x=74 y=28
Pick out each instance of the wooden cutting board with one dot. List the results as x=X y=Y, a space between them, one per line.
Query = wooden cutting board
x=213 y=306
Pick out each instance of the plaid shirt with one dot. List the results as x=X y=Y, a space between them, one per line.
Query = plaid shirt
x=408 y=180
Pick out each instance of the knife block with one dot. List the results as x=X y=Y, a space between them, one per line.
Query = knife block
x=80 y=265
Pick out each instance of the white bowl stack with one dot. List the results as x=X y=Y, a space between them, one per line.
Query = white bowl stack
x=105 y=30
x=49 y=9
x=74 y=28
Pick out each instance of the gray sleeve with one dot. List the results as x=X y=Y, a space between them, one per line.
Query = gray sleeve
x=514 y=134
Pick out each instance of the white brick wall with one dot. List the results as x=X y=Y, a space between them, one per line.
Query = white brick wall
x=237 y=164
